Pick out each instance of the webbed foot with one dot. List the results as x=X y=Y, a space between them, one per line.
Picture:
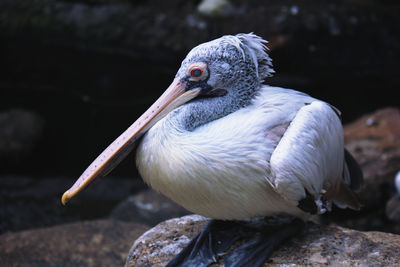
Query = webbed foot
x=216 y=238
x=261 y=245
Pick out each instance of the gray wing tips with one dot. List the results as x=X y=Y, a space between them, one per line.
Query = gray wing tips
x=344 y=195
x=355 y=172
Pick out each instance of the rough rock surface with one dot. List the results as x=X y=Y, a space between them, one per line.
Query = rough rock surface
x=148 y=207
x=94 y=243
x=159 y=244
x=316 y=246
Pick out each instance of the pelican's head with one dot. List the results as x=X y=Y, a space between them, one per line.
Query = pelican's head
x=230 y=62
x=234 y=66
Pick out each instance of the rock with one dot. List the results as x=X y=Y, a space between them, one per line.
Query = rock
x=19 y=133
x=317 y=245
x=159 y=244
x=91 y=243
x=148 y=207
x=374 y=140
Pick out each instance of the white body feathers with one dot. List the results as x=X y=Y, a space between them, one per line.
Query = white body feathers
x=256 y=161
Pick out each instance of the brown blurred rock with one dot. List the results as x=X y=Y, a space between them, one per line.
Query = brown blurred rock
x=148 y=207
x=374 y=140
x=92 y=243
x=316 y=246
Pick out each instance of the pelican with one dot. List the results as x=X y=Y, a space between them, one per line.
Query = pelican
x=224 y=145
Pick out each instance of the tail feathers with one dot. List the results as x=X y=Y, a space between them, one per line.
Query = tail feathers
x=345 y=197
x=352 y=175
x=342 y=193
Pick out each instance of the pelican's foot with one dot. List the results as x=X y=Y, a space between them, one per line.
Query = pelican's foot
x=213 y=241
x=257 y=250
x=216 y=238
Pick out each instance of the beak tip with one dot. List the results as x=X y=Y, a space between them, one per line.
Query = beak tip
x=65 y=197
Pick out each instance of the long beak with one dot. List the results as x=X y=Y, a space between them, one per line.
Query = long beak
x=172 y=98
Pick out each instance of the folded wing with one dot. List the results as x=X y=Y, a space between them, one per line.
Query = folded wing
x=309 y=166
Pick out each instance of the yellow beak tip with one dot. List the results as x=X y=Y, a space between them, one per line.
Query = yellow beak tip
x=65 y=198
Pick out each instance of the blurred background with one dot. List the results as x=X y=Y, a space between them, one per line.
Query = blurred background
x=76 y=73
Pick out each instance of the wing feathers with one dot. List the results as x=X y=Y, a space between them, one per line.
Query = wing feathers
x=347 y=197
x=309 y=155
x=342 y=193
x=356 y=175
x=310 y=162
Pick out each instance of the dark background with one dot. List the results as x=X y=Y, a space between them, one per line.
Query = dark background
x=83 y=71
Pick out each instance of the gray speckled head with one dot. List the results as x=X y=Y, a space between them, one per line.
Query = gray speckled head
x=232 y=58
x=236 y=64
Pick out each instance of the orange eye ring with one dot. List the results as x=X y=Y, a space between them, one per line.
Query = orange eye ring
x=196 y=72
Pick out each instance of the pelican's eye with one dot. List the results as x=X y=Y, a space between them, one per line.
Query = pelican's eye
x=197 y=71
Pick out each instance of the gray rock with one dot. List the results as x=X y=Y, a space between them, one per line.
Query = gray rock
x=159 y=244
x=92 y=243
x=316 y=246
x=148 y=207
